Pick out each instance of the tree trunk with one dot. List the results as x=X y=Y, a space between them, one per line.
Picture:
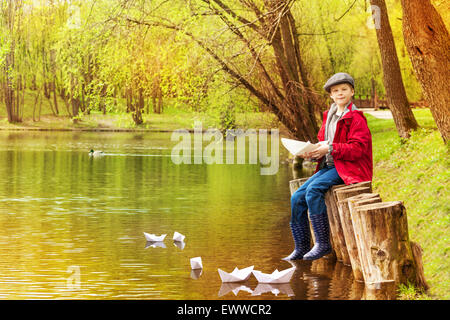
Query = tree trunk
x=428 y=43
x=392 y=77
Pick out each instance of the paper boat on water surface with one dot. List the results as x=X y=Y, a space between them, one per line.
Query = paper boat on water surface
x=196 y=273
x=178 y=236
x=179 y=244
x=196 y=263
x=155 y=244
x=275 y=277
x=153 y=237
x=236 y=275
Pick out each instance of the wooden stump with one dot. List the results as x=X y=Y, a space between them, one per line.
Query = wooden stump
x=382 y=290
x=347 y=227
x=353 y=202
x=336 y=232
x=420 y=275
x=296 y=183
x=386 y=249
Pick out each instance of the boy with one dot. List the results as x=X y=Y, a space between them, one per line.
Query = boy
x=346 y=159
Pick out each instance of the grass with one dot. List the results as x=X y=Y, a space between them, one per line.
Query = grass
x=417 y=172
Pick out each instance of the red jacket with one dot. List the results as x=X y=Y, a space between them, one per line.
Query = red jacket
x=352 y=147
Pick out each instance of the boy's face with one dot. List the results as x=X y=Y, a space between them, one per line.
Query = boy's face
x=341 y=93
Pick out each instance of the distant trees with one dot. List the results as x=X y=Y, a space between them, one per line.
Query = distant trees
x=262 y=54
x=215 y=56
x=428 y=43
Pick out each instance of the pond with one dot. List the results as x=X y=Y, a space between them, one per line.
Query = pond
x=72 y=225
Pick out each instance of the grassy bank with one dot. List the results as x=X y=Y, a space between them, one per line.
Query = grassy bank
x=417 y=172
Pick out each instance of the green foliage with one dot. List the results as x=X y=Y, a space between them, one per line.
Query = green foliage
x=417 y=172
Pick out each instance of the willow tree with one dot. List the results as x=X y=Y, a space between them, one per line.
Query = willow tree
x=392 y=77
x=261 y=53
x=428 y=43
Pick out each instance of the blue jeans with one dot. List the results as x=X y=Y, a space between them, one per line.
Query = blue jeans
x=311 y=195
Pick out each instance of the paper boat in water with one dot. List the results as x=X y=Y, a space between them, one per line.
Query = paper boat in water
x=275 y=277
x=179 y=244
x=178 y=236
x=153 y=237
x=196 y=263
x=155 y=244
x=236 y=275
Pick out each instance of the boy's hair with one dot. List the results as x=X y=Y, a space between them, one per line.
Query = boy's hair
x=338 y=78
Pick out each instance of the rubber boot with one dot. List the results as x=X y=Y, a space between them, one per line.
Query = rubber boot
x=321 y=229
x=300 y=233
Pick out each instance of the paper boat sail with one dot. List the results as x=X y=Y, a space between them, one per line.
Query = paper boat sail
x=196 y=263
x=236 y=275
x=275 y=277
x=196 y=273
x=179 y=244
x=153 y=237
x=178 y=236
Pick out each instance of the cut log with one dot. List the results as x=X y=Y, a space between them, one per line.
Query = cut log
x=336 y=232
x=347 y=227
x=353 y=202
x=386 y=248
x=382 y=290
x=296 y=183
x=420 y=275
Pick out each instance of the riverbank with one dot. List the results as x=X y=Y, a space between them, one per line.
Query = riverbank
x=417 y=172
x=170 y=120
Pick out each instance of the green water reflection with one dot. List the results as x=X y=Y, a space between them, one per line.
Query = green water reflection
x=72 y=226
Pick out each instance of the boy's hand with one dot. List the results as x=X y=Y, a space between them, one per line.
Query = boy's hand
x=318 y=153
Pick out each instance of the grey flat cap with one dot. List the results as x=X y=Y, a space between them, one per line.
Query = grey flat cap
x=339 y=78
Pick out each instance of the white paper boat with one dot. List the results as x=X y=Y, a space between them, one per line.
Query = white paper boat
x=196 y=263
x=275 y=277
x=153 y=237
x=155 y=244
x=233 y=287
x=236 y=275
x=178 y=236
x=297 y=148
x=179 y=244
x=196 y=273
